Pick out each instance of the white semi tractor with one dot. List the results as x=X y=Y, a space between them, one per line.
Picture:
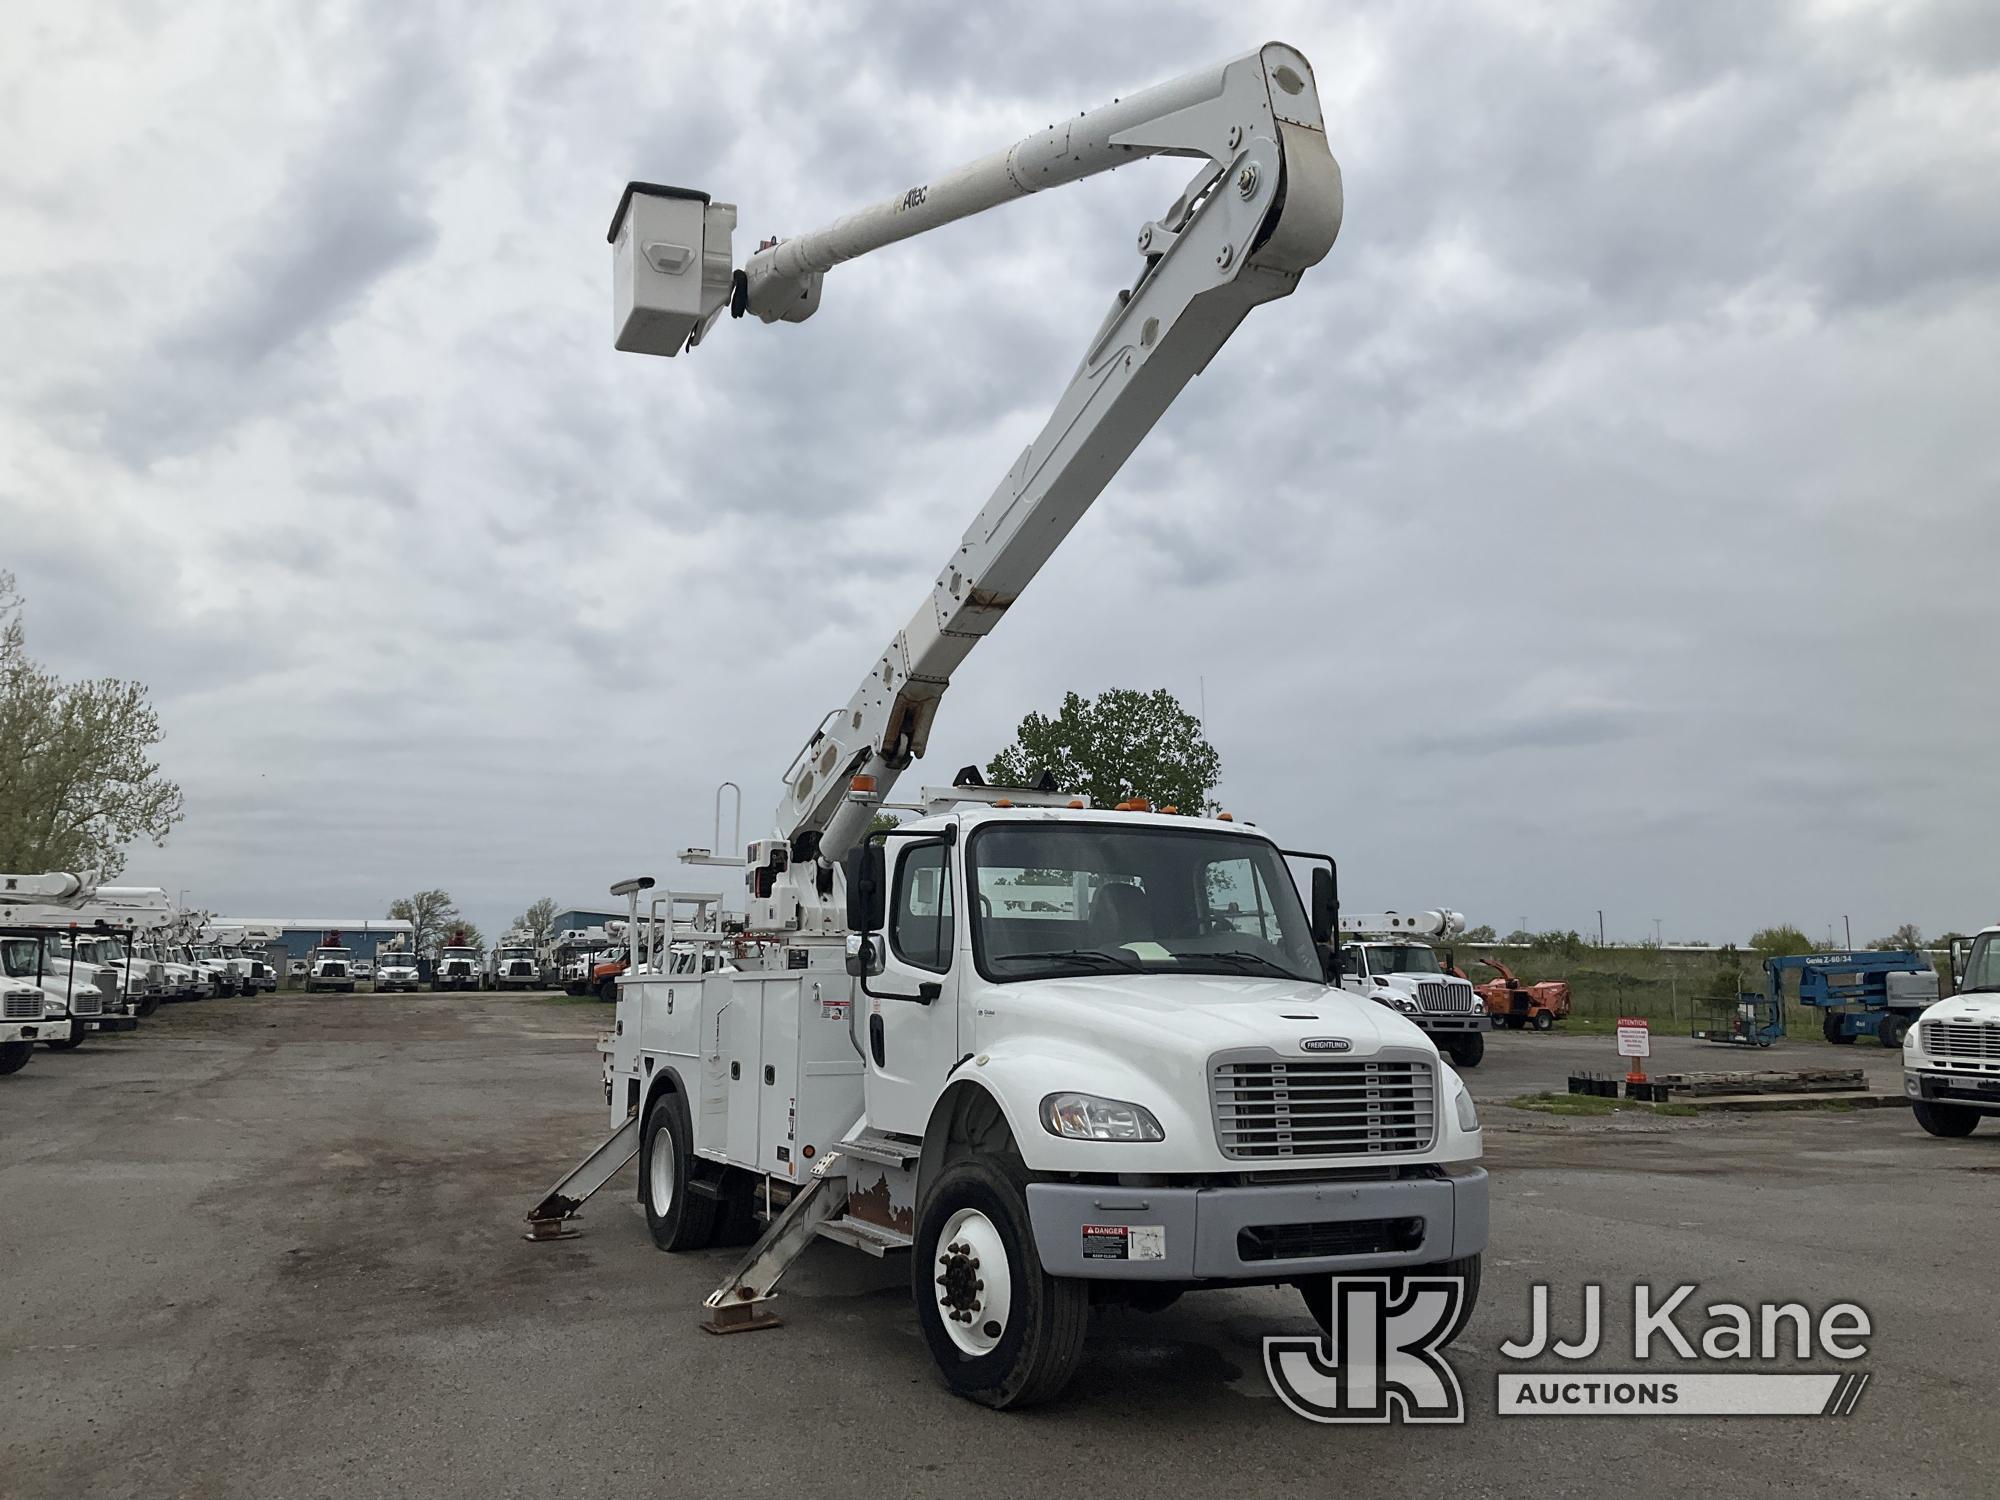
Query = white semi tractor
x=1158 y=1090
x=1951 y=1055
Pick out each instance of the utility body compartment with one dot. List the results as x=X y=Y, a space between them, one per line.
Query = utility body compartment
x=772 y=1074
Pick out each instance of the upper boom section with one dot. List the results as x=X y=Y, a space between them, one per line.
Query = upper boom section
x=1263 y=206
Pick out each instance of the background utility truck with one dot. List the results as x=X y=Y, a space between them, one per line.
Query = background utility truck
x=1951 y=1056
x=396 y=970
x=1157 y=1092
x=1394 y=964
x=459 y=966
x=513 y=965
x=330 y=967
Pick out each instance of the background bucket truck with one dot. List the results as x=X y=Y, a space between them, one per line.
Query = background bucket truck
x=1391 y=961
x=1155 y=1092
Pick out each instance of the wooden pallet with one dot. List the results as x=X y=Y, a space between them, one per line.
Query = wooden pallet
x=1764 y=1081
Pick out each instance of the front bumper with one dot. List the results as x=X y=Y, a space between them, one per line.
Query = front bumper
x=110 y=1023
x=44 y=1030
x=1471 y=1020
x=1266 y=1232
x=1979 y=1090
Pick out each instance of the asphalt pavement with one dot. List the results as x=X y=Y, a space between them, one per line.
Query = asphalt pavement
x=273 y=1247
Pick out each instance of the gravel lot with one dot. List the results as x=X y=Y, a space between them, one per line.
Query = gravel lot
x=272 y=1247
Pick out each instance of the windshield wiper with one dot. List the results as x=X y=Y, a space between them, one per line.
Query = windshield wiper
x=1083 y=955
x=1242 y=958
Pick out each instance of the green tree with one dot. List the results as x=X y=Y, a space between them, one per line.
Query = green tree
x=1569 y=944
x=1909 y=936
x=1124 y=743
x=537 y=920
x=882 y=822
x=432 y=916
x=1483 y=933
x=1782 y=941
x=1520 y=936
x=76 y=780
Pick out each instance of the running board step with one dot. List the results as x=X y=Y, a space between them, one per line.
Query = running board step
x=862 y=1235
x=884 y=1150
x=548 y=1219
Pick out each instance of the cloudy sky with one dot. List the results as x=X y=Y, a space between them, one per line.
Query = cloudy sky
x=1609 y=521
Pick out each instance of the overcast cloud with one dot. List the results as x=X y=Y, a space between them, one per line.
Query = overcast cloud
x=1609 y=521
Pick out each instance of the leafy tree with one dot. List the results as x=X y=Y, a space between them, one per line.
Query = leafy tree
x=1520 y=935
x=1908 y=936
x=1124 y=743
x=76 y=783
x=538 y=920
x=1569 y=944
x=882 y=822
x=432 y=916
x=1782 y=941
x=1483 y=933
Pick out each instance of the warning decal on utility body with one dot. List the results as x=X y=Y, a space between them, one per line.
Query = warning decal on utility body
x=1124 y=1242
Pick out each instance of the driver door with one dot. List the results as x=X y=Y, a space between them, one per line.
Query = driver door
x=911 y=1042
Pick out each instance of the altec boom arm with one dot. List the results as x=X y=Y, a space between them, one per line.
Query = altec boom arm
x=1263 y=207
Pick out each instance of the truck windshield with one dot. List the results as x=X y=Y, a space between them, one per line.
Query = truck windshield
x=1401 y=958
x=1067 y=897
x=1982 y=969
x=21 y=957
x=394 y=959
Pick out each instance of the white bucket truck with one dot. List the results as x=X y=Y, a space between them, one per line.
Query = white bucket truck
x=1951 y=1056
x=514 y=966
x=1391 y=961
x=1154 y=1091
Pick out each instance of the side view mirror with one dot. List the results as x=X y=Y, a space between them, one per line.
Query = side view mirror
x=867 y=887
x=1322 y=905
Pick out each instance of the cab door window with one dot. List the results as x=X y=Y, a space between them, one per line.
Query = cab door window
x=920 y=916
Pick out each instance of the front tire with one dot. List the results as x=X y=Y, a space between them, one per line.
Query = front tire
x=1948 y=1121
x=1003 y=1331
x=678 y=1218
x=147 y=1005
x=1833 y=1029
x=1891 y=1031
x=71 y=1042
x=1542 y=1020
x=1317 y=1291
x=608 y=992
x=14 y=1056
x=1467 y=1049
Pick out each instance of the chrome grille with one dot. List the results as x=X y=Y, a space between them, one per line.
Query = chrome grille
x=1271 y=1107
x=519 y=969
x=21 y=1005
x=1980 y=1039
x=1438 y=996
x=86 y=1003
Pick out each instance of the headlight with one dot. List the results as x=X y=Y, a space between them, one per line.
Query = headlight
x=1468 y=1113
x=1405 y=1004
x=1086 y=1117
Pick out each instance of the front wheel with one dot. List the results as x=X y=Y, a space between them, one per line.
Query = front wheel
x=1892 y=1030
x=71 y=1042
x=1947 y=1120
x=608 y=992
x=1834 y=1029
x=1003 y=1331
x=14 y=1056
x=677 y=1218
x=147 y=1005
x=1466 y=1049
x=1317 y=1292
x=1543 y=1020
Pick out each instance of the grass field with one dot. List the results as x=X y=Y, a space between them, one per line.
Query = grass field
x=1671 y=989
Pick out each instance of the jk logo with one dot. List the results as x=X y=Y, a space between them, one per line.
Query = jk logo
x=1381 y=1361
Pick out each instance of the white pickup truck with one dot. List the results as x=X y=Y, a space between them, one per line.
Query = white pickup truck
x=1951 y=1056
